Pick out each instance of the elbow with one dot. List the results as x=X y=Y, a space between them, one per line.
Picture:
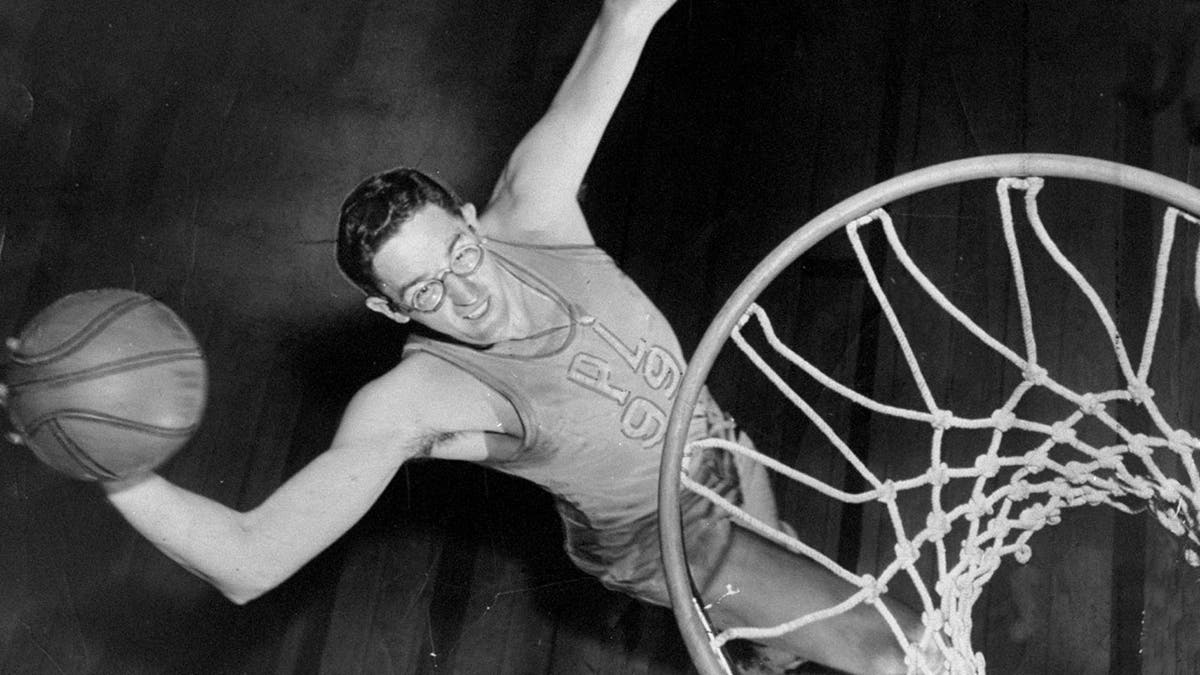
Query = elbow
x=249 y=575
x=250 y=571
x=246 y=587
x=242 y=595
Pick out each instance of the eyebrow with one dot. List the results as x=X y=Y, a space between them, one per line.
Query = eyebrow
x=404 y=288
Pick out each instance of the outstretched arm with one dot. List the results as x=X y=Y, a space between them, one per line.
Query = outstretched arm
x=245 y=554
x=545 y=171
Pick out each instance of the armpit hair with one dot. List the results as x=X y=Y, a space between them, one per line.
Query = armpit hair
x=427 y=442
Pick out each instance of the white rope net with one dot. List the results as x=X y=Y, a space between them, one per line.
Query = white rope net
x=1000 y=515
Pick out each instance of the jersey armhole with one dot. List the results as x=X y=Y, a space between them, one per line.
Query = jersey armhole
x=520 y=405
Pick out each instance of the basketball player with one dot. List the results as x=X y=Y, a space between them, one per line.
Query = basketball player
x=533 y=354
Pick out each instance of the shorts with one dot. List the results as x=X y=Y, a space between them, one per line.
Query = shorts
x=627 y=558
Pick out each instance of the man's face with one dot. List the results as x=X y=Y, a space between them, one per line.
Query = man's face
x=419 y=263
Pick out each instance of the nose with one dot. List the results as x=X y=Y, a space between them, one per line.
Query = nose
x=460 y=291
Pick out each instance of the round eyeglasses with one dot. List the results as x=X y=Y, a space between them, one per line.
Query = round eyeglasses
x=427 y=296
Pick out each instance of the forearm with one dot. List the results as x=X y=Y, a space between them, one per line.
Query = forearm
x=606 y=61
x=207 y=538
x=551 y=160
x=247 y=554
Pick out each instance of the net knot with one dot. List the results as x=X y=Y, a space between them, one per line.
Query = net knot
x=1035 y=460
x=1181 y=441
x=1036 y=375
x=977 y=507
x=970 y=554
x=1059 y=488
x=1023 y=553
x=906 y=553
x=873 y=588
x=1140 y=392
x=1169 y=491
x=887 y=492
x=942 y=419
x=987 y=465
x=933 y=620
x=1139 y=444
x=1076 y=472
x=1020 y=491
x=1090 y=404
x=1109 y=458
x=1062 y=433
x=1003 y=419
x=938 y=525
x=991 y=559
x=1037 y=516
x=939 y=474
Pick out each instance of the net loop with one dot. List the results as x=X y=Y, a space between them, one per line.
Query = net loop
x=1023 y=553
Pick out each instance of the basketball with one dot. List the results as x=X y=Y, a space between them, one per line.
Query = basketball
x=105 y=384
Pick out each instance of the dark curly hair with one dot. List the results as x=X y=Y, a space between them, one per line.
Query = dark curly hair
x=375 y=210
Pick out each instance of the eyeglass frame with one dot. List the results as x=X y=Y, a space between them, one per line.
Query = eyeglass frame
x=440 y=276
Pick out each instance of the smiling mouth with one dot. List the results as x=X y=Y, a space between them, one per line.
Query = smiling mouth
x=479 y=311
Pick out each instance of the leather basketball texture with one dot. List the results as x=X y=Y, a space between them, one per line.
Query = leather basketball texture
x=106 y=383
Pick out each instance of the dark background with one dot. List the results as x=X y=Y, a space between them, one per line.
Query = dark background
x=198 y=152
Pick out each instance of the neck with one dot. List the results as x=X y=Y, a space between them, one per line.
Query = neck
x=535 y=315
x=540 y=312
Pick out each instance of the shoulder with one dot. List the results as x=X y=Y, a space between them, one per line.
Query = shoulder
x=524 y=215
x=425 y=395
x=428 y=391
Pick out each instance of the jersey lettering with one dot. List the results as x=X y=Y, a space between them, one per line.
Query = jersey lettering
x=633 y=357
x=662 y=371
x=595 y=374
x=642 y=419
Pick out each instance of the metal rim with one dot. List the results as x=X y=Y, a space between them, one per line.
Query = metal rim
x=679 y=587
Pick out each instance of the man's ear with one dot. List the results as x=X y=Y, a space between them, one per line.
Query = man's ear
x=386 y=308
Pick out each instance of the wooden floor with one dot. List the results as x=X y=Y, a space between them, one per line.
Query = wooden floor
x=198 y=152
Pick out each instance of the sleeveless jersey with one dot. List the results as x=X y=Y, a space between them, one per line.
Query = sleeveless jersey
x=594 y=402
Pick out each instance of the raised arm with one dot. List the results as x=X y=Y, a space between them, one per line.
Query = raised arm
x=546 y=169
x=244 y=554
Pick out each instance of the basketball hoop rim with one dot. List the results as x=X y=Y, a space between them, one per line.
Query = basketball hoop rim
x=1017 y=165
